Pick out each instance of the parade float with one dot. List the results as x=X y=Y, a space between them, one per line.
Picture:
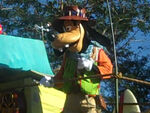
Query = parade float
x=23 y=62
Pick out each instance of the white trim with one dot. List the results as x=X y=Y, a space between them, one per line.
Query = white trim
x=70 y=13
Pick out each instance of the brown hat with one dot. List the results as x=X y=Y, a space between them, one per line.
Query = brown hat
x=70 y=13
x=74 y=13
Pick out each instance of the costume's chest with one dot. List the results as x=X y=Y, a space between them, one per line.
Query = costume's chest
x=92 y=51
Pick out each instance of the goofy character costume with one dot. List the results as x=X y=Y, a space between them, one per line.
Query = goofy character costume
x=84 y=55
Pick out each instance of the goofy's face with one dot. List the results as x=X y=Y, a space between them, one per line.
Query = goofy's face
x=72 y=38
x=70 y=25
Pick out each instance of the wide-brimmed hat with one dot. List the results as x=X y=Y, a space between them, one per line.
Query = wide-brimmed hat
x=71 y=13
x=74 y=13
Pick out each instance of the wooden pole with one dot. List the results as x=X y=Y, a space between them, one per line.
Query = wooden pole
x=115 y=58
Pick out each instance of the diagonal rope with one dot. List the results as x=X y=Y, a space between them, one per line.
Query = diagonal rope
x=97 y=76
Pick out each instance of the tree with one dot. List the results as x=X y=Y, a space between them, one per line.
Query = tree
x=129 y=18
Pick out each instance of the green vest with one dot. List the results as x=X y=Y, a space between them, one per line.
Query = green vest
x=87 y=86
x=69 y=73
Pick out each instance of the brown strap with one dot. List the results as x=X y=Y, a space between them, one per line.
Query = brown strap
x=100 y=101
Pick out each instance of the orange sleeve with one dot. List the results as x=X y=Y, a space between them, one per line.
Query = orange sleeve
x=104 y=63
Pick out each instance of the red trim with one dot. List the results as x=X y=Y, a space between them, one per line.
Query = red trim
x=92 y=95
x=80 y=83
x=99 y=57
x=1 y=29
x=121 y=103
x=106 y=77
x=98 y=86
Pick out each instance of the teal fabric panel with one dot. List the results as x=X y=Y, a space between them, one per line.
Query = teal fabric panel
x=24 y=53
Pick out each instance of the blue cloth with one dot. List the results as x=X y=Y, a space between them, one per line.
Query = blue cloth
x=24 y=53
x=87 y=54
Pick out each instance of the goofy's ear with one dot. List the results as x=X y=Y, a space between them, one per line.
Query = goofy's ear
x=105 y=41
x=94 y=35
x=58 y=25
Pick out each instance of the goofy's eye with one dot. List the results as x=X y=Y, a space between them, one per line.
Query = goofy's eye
x=68 y=28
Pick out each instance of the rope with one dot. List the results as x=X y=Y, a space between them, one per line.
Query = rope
x=140 y=104
x=119 y=76
x=136 y=80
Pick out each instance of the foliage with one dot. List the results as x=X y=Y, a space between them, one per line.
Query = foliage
x=128 y=16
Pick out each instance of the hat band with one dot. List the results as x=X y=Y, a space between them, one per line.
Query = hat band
x=75 y=13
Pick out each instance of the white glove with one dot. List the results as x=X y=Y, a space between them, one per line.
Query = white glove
x=47 y=81
x=85 y=63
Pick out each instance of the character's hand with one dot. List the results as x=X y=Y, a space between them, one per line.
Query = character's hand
x=51 y=33
x=85 y=63
x=47 y=81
